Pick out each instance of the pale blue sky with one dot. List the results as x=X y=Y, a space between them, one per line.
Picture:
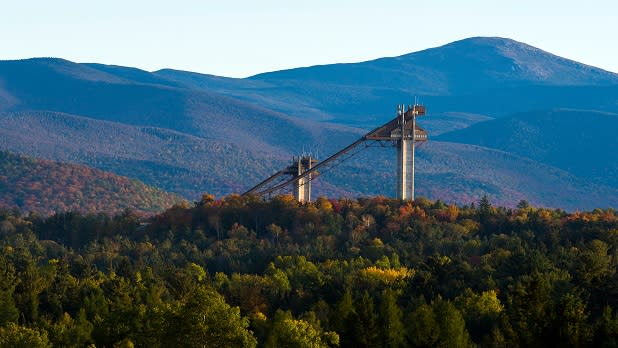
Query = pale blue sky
x=241 y=38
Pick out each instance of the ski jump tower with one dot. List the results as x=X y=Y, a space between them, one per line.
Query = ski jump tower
x=405 y=150
x=401 y=132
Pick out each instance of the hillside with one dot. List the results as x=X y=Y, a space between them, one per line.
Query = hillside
x=191 y=133
x=172 y=160
x=47 y=187
x=56 y=85
x=183 y=140
x=578 y=141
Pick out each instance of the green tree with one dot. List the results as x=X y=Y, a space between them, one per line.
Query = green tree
x=393 y=333
x=8 y=310
x=14 y=336
x=484 y=206
x=594 y=262
x=125 y=343
x=606 y=330
x=481 y=311
x=523 y=204
x=438 y=325
x=364 y=323
x=69 y=332
x=571 y=320
x=529 y=311
x=33 y=280
x=341 y=318
x=453 y=331
x=288 y=332
x=422 y=326
x=206 y=320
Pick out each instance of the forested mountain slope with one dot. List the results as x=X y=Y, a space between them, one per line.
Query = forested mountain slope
x=47 y=187
x=579 y=141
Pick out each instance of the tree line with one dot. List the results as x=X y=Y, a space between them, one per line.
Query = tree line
x=367 y=272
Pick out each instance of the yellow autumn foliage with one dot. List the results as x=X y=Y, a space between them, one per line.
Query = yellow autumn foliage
x=386 y=276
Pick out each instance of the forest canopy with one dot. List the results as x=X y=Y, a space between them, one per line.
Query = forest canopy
x=368 y=272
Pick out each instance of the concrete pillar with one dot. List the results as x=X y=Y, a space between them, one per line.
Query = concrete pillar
x=405 y=156
x=405 y=169
x=303 y=186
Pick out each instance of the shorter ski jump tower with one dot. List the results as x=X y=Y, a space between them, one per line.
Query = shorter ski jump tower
x=302 y=186
x=401 y=132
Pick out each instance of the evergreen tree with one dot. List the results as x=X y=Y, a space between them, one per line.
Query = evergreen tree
x=571 y=322
x=8 y=310
x=484 y=206
x=606 y=330
x=453 y=331
x=393 y=334
x=365 y=331
x=341 y=320
x=523 y=204
x=422 y=326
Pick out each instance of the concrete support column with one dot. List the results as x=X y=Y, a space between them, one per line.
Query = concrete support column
x=405 y=153
x=405 y=169
x=303 y=185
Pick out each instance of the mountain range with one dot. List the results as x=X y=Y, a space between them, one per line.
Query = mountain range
x=508 y=120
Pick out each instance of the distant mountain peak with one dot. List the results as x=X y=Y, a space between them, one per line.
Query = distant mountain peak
x=487 y=40
x=508 y=47
x=498 y=58
x=486 y=47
